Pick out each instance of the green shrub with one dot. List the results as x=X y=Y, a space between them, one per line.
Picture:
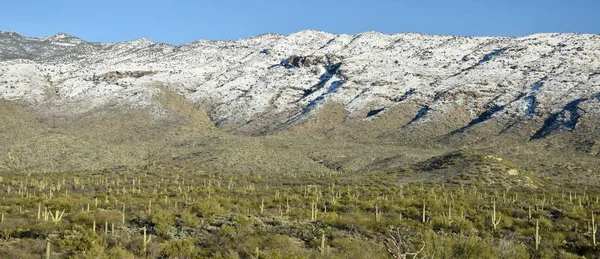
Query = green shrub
x=163 y=223
x=180 y=248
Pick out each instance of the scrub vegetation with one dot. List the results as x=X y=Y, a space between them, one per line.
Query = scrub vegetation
x=184 y=211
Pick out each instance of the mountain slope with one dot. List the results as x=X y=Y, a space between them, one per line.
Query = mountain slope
x=407 y=89
x=274 y=79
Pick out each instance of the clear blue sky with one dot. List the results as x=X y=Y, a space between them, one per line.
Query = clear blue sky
x=181 y=21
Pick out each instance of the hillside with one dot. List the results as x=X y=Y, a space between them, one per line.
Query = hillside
x=302 y=102
x=309 y=145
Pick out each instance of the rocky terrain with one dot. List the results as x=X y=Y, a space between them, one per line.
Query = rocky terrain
x=403 y=88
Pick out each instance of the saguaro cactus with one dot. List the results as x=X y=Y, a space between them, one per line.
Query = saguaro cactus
x=423 y=215
x=123 y=216
x=313 y=215
x=262 y=206
x=48 y=250
x=147 y=239
x=57 y=216
x=537 y=234
x=495 y=222
x=594 y=229
x=322 y=244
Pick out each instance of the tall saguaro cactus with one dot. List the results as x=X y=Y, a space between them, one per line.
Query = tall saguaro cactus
x=537 y=234
x=322 y=244
x=315 y=210
x=495 y=222
x=48 y=250
x=423 y=215
x=594 y=229
x=147 y=239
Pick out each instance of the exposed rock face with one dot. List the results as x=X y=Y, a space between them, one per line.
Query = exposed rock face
x=550 y=79
x=115 y=75
x=311 y=61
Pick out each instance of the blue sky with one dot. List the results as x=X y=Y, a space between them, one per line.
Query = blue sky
x=181 y=21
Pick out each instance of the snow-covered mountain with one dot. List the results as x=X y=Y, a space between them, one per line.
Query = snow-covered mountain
x=272 y=80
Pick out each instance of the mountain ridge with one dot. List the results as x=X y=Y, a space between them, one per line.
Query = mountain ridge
x=407 y=88
x=308 y=31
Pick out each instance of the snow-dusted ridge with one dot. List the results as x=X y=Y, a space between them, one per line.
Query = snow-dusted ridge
x=286 y=78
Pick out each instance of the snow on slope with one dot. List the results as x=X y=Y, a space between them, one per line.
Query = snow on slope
x=271 y=74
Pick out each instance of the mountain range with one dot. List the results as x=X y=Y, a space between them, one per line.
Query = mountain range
x=310 y=100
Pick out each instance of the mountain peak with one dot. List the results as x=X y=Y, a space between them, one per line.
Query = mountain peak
x=62 y=35
x=11 y=33
x=141 y=41
x=265 y=36
x=310 y=33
